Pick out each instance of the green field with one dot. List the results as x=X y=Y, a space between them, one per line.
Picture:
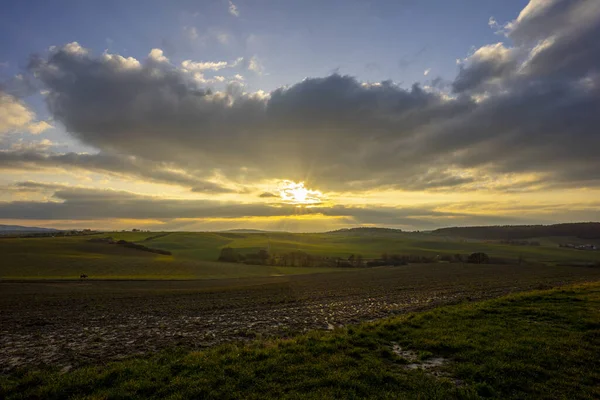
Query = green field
x=194 y=254
x=543 y=344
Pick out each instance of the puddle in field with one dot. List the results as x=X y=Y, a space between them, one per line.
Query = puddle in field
x=413 y=358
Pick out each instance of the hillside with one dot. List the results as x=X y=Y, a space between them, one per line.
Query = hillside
x=195 y=254
x=366 y=230
x=582 y=230
x=12 y=229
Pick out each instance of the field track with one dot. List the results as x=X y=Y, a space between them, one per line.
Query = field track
x=70 y=323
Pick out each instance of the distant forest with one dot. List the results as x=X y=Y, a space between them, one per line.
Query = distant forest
x=583 y=230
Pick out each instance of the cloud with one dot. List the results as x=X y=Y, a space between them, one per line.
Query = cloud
x=488 y=63
x=265 y=195
x=80 y=203
x=189 y=65
x=233 y=10
x=157 y=55
x=255 y=65
x=34 y=156
x=211 y=187
x=21 y=145
x=163 y=115
x=38 y=127
x=15 y=116
x=527 y=109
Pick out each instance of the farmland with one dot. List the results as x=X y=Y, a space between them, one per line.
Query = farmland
x=71 y=323
x=538 y=345
x=194 y=253
x=139 y=308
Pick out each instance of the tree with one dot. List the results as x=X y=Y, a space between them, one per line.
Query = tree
x=478 y=258
x=228 y=255
x=359 y=261
x=263 y=256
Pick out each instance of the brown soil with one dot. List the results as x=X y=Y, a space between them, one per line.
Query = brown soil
x=67 y=324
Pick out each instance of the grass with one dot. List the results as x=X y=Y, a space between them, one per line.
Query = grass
x=543 y=344
x=206 y=245
x=194 y=254
x=69 y=257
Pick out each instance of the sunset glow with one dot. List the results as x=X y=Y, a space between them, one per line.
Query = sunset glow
x=366 y=114
x=296 y=193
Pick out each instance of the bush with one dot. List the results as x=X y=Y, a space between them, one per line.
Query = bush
x=229 y=254
x=478 y=258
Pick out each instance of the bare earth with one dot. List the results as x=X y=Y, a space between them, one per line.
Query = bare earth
x=66 y=324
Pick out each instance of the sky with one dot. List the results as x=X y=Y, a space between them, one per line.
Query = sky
x=301 y=116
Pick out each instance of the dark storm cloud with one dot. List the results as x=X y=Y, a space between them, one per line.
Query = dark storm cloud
x=556 y=40
x=529 y=107
x=320 y=127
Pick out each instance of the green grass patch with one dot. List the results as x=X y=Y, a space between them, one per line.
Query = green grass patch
x=194 y=254
x=543 y=344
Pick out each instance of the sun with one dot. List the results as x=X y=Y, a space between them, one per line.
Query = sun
x=295 y=193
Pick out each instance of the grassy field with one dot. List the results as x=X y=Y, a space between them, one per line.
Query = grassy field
x=543 y=344
x=194 y=254
x=69 y=257
x=206 y=245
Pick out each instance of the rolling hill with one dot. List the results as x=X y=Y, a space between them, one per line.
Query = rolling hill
x=12 y=229
x=582 y=230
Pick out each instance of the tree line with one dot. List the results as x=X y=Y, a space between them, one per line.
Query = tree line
x=300 y=258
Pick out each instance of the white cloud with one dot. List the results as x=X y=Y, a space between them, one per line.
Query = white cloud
x=190 y=65
x=255 y=65
x=233 y=10
x=38 y=146
x=237 y=62
x=219 y=78
x=157 y=55
x=199 y=77
x=238 y=77
x=121 y=62
x=73 y=48
x=427 y=71
x=492 y=23
x=38 y=127
x=16 y=116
